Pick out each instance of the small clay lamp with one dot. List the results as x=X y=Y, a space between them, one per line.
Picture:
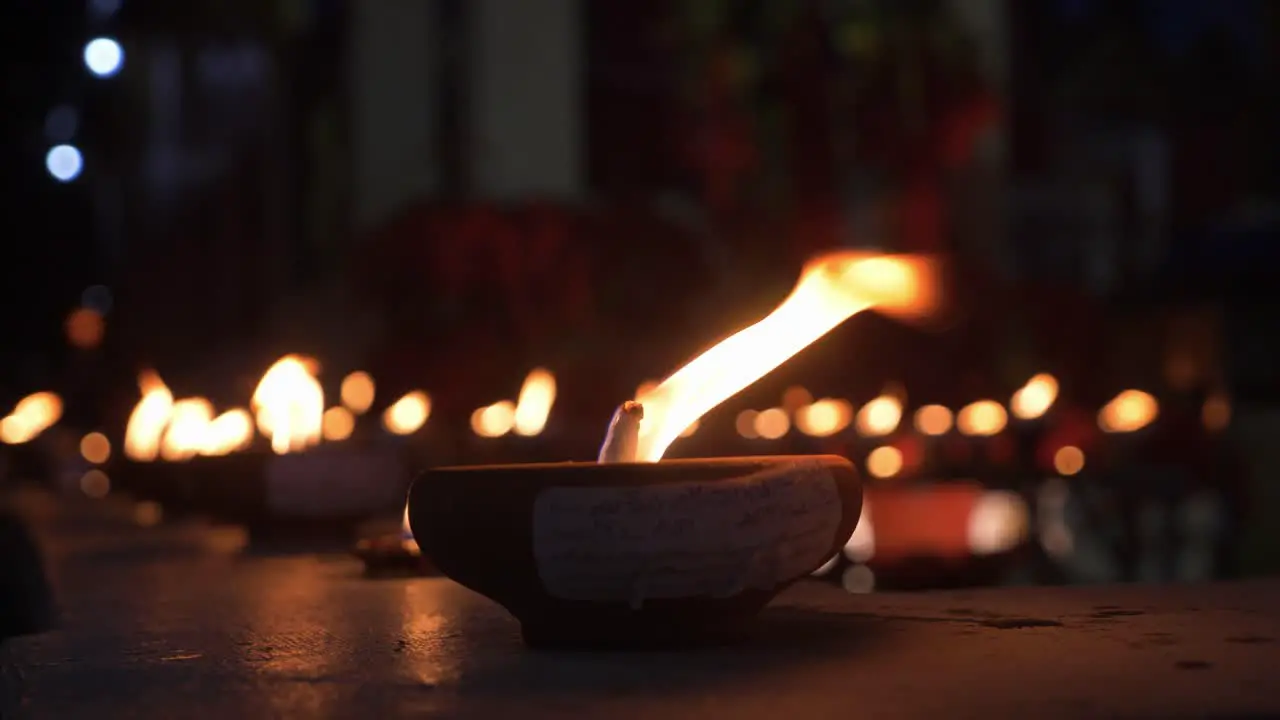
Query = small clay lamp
x=637 y=551
x=635 y=554
x=393 y=554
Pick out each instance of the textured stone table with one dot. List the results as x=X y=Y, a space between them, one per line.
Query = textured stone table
x=166 y=623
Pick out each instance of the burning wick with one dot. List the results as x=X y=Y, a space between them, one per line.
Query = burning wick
x=623 y=438
x=830 y=290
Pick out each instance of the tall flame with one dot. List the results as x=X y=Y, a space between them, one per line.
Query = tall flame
x=149 y=418
x=188 y=429
x=289 y=403
x=537 y=397
x=831 y=289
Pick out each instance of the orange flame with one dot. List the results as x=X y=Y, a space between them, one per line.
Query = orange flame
x=357 y=392
x=983 y=418
x=824 y=418
x=933 y=420
x=406 y=415
x=533 y=407
x=32 y=415
x=289 y=403
x=831 y=289
x=337 y=424
x=227 y=433
x=149 y=418
x=879 y=417
x=1129 y=411
x=188 y=429
x=1035 y=398
x=494 y=420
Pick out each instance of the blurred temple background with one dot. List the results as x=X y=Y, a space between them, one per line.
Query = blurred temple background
x=446 y=193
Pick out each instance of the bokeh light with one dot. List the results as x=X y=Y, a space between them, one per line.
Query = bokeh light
x=95 y=448
x=85 y=328
x=884 y=462
x=103 y=56
x=64 y=162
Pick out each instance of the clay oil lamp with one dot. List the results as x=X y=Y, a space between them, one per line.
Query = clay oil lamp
x=298 y=476
x=309 y=477
x=152 y=466
x=394 y=554
x=636 y=551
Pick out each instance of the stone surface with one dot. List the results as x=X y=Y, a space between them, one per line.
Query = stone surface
x=172 y=622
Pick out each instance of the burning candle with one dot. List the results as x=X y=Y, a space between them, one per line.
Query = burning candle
x=1029 y=405
x=32 y=415
x=307 y=473
x=637 y=550
x=537 y=397
x=932 y=422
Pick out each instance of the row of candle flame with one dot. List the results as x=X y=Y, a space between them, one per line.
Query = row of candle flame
x=288 y=408
x=1129 y=411
x=288 y=404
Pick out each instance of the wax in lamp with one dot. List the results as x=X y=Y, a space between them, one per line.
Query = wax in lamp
x=633 y=550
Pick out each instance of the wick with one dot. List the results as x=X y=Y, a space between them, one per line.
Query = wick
x=623 y=437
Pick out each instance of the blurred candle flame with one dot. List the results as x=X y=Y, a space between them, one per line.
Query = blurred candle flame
x=772 y=424
x=880 y=416
x=494 y=420
x=830 y=290
x=149 y=418
x=1035 y=398
x=537 y=397
x=406 y=415
x=358 y=391
x=337 y=424
x=933 y=420
x=188 y=429
x=32 y=415
x=983 y=418
x=289 y=404
x=1128 y=412
x=884 y=462
x=227 y=433
x=824 y=418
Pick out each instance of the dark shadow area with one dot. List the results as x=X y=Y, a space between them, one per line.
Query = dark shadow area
x=783 y=641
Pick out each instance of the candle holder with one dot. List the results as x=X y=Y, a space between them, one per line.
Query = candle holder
x=322 y=493
x=635 y=555
x=390 y=555
x=169 y=483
